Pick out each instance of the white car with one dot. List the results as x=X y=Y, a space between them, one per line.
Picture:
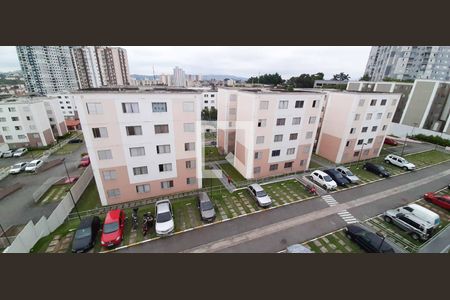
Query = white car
x=33 y=165
x=164 y=224
x=8 y=153
x=260 y=195
x=17 y=168
x=348 y=174
x=19 y=152
x=399 y=162
x=324 y=180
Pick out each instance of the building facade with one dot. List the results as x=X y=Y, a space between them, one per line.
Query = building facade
x=209 y=99
x=409 y=62
x=47 y=69
x=268 y=132
x=142 y=143
x=355 y=124
x=179 y=77
x=113 y=66
x=86 y=67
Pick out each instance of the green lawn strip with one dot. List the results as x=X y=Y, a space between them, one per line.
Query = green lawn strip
x=251 y=200
x=393 y=231
x=217 y=196
x=34 y=154
x=363 y=174
x=313 y=247
x=221 y=201
x=180 y=208
x=353 y=246
x=232 y=172
x=212 y=153
x=243 y=203
x=313 y=165
x=90 y=198
x=42 y=245
x=68 y=148
x=427 y=158
x=55 y=193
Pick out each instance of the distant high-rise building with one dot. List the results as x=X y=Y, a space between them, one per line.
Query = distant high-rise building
x=113 y=65
x=165 y=79
x=86 y=67
x=179 y=77
x=47 y=69
x=409 y=62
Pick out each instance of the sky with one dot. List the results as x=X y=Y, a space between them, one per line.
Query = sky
x=242 y=61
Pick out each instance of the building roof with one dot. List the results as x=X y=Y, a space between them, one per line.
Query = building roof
x=271 y=90
x=138 y=89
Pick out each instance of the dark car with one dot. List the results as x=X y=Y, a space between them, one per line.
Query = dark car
x=366 y=239
x=337 y=177
x=206 y=207
x=376 y=169
x=86 y=234
x=75 y=141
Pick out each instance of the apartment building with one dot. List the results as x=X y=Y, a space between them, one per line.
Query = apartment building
x=269 y=132
x=30 y=122
x=66 y=105
x=179 y=77
x=113 y=66
x=355 y=124
x=142 y=142
x=86 y=67
x=47 y=69
x=209 y=99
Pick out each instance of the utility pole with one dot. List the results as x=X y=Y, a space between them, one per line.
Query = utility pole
x=70 y=192
x=359 y=157
x=406 y=137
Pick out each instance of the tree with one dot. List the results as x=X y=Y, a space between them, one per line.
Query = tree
x=341 y=76
x=205 y=114
x=304 y=80
x=366 y=77
x=213 y=114
x=273 y=79
x=397 y=80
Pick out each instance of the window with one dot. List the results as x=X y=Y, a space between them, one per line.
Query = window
x=314 y=104
x=290 y=151
x=293 y=136
x=379 y=116
x=369 y=116
x=5 y=128
x=360 y=142
x=357 y=117
x=364 y=129
x=190 y=164
x=374 y=128
x=296 y=120
x=161 y=129
x=263 y=105
x=283 y=104
x=109 y=175
x=165 y=167
x=384 y=127
x=94 y=108
x=312 y=120
x=159 y=106
x=258 y=155
x=383 y=102
x=281 y=122
x=2 y=119
x=373 y=102
x=191 y=180
x=276 y=153
x=369 y=141
x=28 y=118
x=104 y=154
x=8 y=137
x=18 y=127
x=273 y=167
x=167 y=184
x=143 y=188
x=356 y=153
x=11 y=109
x=189 y=127
x=160 y=149
x=100 y=132
x=21 y=137
x=188 y=106
x=361 y=102
x=50 y=119
x=389 y=115
x=189 y=146
x=302 y=162
x=137 y=151
x=260 y=139
x=299 y=103
x=262 y=122
x=17 y=119
x=113 y=193
x=309 y=134
x=306 y=149
x=288 y=165
x=134 y=130
x=278 y=138
x=347 y=144
x=256 y=170
x=130 y=107
x=140 y=170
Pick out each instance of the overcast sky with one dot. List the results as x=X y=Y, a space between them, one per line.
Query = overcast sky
x=240 y=61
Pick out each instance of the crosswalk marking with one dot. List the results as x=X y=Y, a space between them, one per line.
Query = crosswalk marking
x=329 y=200
x=347 y=217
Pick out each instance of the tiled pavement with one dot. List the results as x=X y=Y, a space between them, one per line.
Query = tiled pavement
x=335 y=242
x=60 y=244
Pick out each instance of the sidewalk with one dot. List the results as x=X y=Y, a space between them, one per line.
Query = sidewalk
x=323 y=162
x=229 y=186
x=439 y=243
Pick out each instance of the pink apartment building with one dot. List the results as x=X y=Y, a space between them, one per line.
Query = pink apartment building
x=270 y=132
x=355 y=124
x=142 y=143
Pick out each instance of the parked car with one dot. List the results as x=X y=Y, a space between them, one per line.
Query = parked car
x=260 y=195
x=413 y=225
x=71 y=179
x=213 y=143
x=348 y=174
x=324 y=180
x=17 y=168
x=75 y=141
x=206 y=207
x=376 y=169
x=390 y=141
x=19 y=152
x=337 y=177
x=421 y=212
x=399 y=162
x=8 y=153
x=86 y=234
x=368 y=240
x=164 y=218
x=442 y=201
x=297 y=248
x=112 y=233
x=34 y=165
x=85 y=161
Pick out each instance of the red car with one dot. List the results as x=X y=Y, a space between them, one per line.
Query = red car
x=442 y=201
x=112 y=233
x=389 y=141
x=85 y=161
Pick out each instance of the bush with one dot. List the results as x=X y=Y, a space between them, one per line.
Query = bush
x=84 y=154
x=64 y=136
x=434 y=139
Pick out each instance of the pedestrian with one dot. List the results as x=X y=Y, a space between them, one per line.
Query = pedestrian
x=229 y=179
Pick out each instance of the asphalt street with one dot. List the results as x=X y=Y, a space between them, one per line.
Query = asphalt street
x=254 y=233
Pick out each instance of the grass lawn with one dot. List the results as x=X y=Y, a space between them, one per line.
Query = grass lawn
x=68 y=148
x=55 y=193
x=293 y=187
x=427 y=158
x=90 y=198
x=42 y=245
x=212 y=154
x=313 y=165
x=33 y=154
x=232 y=172
x=335 y=242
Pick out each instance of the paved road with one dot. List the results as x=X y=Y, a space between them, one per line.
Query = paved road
x=439 y=244
x=19 y=207
x=273 y=230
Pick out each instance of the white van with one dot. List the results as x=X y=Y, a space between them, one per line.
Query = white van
x=423 y=213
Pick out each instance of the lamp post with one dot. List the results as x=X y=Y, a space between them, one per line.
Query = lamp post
x=70 y=192
x=4 y=234
x=359 y=157
x=406 y=137
x=380 y=234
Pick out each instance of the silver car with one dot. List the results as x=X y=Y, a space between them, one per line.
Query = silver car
x=17 y=168
x=206 y=207
x=260 y=195
x=348 y=174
